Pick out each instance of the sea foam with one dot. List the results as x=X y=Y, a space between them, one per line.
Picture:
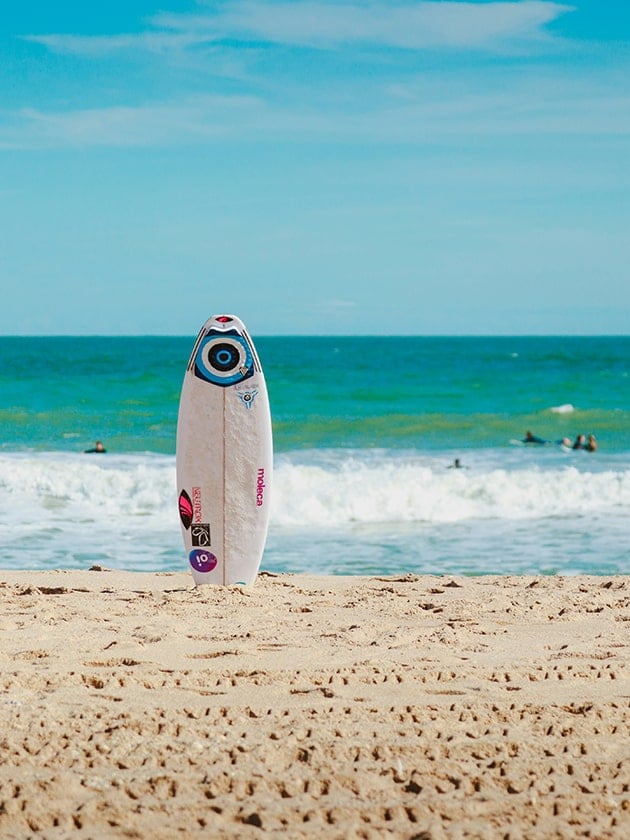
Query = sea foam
x=336 y=488
x=69 y=511
x=351 y=491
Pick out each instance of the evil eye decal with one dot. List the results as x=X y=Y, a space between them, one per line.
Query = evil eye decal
x=224 y=359
x=202 y=560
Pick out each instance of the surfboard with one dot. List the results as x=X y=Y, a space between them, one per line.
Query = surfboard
x=224 y=455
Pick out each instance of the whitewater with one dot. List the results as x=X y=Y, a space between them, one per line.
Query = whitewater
x=333 y=511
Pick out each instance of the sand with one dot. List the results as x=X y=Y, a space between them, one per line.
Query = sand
x=136 y=706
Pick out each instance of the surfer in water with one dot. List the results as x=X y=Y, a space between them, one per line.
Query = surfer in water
x=456 y=465
x=531 y=438
x=98 y=447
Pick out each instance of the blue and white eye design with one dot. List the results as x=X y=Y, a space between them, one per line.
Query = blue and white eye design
x=247 y=397
x=224 y=359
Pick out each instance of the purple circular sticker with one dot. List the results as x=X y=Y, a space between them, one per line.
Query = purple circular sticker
x=202 y=560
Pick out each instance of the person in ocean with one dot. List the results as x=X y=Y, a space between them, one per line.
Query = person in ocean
x=456 y=465
x=580 y=442
x=531 y=438
x=98 y=447
x=591 y=444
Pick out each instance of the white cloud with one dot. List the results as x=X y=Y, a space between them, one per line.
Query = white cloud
x=101 y=45
x=394 y=107
x=195 y=119
x=434 y=112
x=338 y=305
x=418 y=26
x=415 y=26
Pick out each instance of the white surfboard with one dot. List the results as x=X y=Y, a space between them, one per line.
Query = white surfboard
x=224 y=455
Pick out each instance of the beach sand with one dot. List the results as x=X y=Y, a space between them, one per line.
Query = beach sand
x=136 y=706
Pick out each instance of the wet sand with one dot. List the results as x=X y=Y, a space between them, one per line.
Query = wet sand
x=136 y=706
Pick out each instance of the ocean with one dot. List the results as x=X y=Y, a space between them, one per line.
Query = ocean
x=366 y=433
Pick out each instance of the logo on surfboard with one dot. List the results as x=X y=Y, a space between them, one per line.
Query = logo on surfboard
x=196 y=503
x=190 y=515
x=260 y=487
x=202 y=560
x=247 y=397
x=200 y=534
x=185 y=509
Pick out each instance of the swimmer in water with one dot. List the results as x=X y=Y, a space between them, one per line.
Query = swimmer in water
x=531 y=438
x=98 y=447
x=456 y=465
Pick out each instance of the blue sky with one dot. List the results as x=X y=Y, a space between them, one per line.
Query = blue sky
x=315 y=167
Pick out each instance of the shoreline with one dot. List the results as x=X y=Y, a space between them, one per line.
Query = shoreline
x=136 y=705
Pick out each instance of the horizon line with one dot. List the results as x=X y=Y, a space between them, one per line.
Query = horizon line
x=325 y=335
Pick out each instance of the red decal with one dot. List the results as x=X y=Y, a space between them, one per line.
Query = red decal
x=196 y=504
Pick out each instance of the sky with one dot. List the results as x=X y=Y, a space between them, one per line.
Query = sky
x=315 y=167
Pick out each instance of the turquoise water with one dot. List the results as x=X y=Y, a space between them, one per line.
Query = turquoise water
x=428 y=393
x=365 y=433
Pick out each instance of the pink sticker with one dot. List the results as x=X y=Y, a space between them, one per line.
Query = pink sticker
x=202 y=560
x=185 y=509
